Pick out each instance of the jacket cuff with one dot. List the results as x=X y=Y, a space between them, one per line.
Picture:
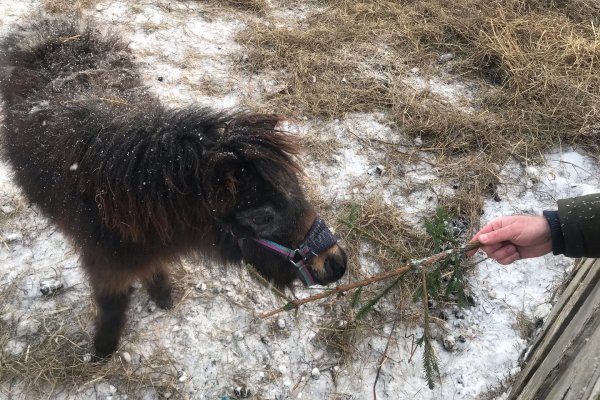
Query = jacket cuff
x=558 y=240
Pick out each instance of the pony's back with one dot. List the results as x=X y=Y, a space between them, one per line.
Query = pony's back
x=65 y=86
x=62 y=58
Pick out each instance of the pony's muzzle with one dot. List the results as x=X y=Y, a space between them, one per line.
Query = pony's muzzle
x=330 y=265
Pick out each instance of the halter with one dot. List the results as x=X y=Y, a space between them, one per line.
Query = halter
x=318 y=239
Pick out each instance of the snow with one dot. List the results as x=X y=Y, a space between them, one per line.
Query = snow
x=212 y=335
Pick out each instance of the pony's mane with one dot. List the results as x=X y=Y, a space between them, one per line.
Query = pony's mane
x=182 y=173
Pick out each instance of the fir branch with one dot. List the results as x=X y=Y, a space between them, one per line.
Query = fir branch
x=369 y=305
x=418 y=265
x=432 y=371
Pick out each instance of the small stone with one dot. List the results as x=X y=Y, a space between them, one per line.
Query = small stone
x=458 y=313
x=50 y=286
x=201 y=287
x=7 y=209
x=182 y=376
x=377 y=170
x=460 y=380
x=443 y=315
x=167 y=394
x=160 y=78
x=112 y=389
x=13 y=237
x=282 y=369
x=449 y=342
x=87 y=357
x=126 y=357
x=151 y=307
x=242 y=392
x=281 y=323
x=492 y=294
x=238 y=335
x=315 y=373
x=27 y=327
x=444 y=58
x=414 y=70
x=461 y=339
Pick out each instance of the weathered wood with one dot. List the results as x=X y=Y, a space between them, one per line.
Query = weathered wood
x=564 y=361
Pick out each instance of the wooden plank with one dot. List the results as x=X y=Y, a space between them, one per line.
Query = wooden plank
x=567 y=370
x=561 y=347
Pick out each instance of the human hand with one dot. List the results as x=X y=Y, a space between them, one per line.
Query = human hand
x=508 y=239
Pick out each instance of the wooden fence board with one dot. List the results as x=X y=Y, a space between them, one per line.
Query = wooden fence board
x=564 y=361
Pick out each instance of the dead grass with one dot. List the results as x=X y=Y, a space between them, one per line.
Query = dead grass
x=53 y=359
x=533 y=65
x=66 y=6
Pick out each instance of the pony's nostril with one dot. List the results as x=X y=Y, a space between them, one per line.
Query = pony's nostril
x=336 y=265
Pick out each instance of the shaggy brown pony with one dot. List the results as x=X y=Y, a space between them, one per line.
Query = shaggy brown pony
x=135 y=184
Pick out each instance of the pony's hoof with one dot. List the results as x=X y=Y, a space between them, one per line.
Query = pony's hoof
x=100 y=357
x=165 y=303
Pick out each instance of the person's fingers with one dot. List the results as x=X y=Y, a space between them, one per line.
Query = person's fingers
x=487 y=249
x=488 y=228
x=510 y=259
x=491 y=249
x=504 y=252
x=471 y=253
x=506 y=234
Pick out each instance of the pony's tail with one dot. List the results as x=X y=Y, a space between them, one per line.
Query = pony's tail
x=50 y=50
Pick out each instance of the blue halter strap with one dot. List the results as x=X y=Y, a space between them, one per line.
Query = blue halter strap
x=318 y=239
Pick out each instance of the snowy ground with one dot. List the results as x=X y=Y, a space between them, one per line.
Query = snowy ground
x=212 y=337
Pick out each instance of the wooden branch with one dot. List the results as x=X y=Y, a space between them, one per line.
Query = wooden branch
x=417 y=265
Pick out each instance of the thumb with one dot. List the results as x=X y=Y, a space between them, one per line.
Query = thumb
x=498 y=236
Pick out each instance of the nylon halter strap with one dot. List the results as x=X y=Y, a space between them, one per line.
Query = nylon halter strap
x=318 y=239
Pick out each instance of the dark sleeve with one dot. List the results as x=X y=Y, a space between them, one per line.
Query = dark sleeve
x=558 y=241
x=579 y=220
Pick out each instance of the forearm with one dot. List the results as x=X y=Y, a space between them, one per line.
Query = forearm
x=576 y=226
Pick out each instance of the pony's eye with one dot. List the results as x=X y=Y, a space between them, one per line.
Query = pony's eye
x=262 y=219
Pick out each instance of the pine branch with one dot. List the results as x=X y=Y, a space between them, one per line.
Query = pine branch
x=430 y=364
x=369 y=305
x=416 y=265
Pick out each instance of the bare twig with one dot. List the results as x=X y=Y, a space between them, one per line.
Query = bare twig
x=417 y=265
x=384 y=357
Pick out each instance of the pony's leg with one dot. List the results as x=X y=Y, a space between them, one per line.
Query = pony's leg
x=111 y=320
x=111 y=288
x=159 y=288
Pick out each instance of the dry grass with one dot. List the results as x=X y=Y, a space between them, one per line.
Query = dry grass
x=53 y=361
x=257 y=6
x=66 y=6
x=533 y=65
